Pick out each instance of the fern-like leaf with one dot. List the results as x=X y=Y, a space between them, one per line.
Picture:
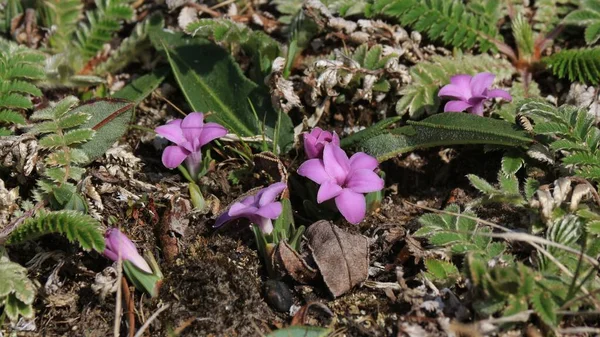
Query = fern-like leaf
x=18 y=66
x=62 y=16
x=75 y=226
x=420 y=97
x=445 y=20
x=131 y=47
x=582 y=65
x=102 y=24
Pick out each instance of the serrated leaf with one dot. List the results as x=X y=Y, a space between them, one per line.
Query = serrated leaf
x=482 y=185
x=545 y=308
x=441 y=269
x=511 y=163
x=75 y=226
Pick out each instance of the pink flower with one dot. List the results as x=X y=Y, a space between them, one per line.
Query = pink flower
x=260 y=209
x=117 y=244
x=189 y=135
x=344 y=179
x=315 y=141
x=470 y=92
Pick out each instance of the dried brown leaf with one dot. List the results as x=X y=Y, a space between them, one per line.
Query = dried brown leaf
x=294 y=264
x=342 y=258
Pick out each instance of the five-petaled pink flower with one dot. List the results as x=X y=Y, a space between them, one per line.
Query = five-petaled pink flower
x=117 y=244
x=344 y=179
x=260 y=208
x=189 y=135
x=315 y=141
x=470 y=92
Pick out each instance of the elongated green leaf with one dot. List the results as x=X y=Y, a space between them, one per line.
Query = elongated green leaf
x=300 y=331
x=371 y=131
x=212 y=82
x=110 y=119
x=141 y=87
x=444 y=130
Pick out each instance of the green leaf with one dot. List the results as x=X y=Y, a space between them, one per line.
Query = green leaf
x=141 y=87
x=444 y=129
x=592 y=33
x=545 y=308
x=75 y=226
x=369 y=132
x=109 y=119
x=481 y=184
x=300 y=331
x=442 y=272
x=511 y=163
x=211 y=81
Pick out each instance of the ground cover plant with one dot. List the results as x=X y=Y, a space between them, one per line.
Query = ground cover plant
x=299 y=168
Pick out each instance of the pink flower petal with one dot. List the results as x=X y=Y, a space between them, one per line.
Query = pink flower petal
x=477 y=109
x=456 y=106
x=352 y=205
x=171 y=131
x=238 y=209
x=210 y=132
x=265 y=225
x=364 y=181
x=481 y=82
x=336 y=163
x=271 y=211
x=453 y=91
x=335 y=139
x=314 y=170
x=327 y=191
x=310 y=146
x=499 y=93
x=192 y=126
x=361 y=160
x=222 y=219
x=269 y=194
x=463 y=81
x=173 y=156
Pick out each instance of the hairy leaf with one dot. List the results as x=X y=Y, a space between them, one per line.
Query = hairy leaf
x=75 y=226
x=444 y=129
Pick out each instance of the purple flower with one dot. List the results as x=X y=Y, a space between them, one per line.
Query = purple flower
x=189 y=135
x=315 y=141
x=470 y=92
x=260 y=208
x=344 y=179
x=117 y=244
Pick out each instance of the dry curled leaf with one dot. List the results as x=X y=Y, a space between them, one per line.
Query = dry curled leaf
x=342 y=258
x=19 y=153
x=173 y=225
x=294 y=264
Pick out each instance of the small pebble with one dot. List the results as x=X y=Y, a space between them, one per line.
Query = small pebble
x=278 y=295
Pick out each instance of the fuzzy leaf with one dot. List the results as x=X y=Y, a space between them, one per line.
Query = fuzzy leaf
x=109 y=119
x=76 y=227
x=300 y=331
x=581 y=65
x=141 y=87
x=444 y=129
x=544 y=307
